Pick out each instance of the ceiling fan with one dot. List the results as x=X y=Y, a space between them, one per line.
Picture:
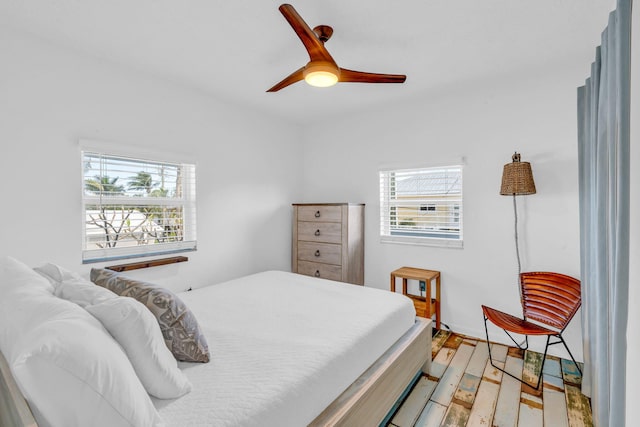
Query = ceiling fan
x=322 y=70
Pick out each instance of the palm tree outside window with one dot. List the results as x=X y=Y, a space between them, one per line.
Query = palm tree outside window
x=136 y=207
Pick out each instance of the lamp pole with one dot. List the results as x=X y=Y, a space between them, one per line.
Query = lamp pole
x=515 y=214
x=517 y=179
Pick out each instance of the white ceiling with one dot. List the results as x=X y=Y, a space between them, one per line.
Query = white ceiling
x=236 y=49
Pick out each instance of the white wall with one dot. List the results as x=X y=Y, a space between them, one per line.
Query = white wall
x=633 y=324
x=51 y=97
x=534 y=114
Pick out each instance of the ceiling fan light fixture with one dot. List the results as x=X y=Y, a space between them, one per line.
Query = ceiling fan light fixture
x=322 y=70
x=321 y=74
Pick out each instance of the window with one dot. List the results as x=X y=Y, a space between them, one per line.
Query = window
x=422 y=206
x=134 y=207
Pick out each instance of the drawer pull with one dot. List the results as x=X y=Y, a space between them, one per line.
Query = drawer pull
x=317 y=273
x=317 y=252
x=317 y=233
x=317 y=214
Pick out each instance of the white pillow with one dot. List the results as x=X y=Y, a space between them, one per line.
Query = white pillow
x=19 y=283
x=71 y=286
x=14 y=274
x=56 y=274
x=137 y=331
x=131 y=324
x=83 y=292
x=71 y=371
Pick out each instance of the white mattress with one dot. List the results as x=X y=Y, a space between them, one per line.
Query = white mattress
x=283 y=347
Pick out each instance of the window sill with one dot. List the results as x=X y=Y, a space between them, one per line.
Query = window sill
x=423 y=241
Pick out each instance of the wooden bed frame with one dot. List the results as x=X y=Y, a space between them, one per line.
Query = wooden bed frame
x=366 y=402
x=14 y=410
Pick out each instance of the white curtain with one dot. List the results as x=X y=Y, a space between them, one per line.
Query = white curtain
x=603 y=150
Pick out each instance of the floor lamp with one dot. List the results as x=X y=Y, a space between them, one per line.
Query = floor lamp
x=517 y=180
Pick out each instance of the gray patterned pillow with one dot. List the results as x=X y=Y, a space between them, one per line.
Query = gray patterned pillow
x=178 y=324
x=105 y=278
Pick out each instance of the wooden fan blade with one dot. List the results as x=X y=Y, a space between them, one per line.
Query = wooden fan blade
x=363 y=77
x=292 y=78
x=315 y=47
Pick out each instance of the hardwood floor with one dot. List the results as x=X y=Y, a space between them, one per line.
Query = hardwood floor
x=464 y=390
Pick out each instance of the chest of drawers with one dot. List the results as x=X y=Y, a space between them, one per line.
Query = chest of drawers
x=328 y=241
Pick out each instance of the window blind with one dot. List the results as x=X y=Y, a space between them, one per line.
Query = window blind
x=136 y=207
x=422 y=206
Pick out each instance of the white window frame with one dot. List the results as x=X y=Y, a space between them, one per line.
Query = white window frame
x=187 y=202
x=442 y=198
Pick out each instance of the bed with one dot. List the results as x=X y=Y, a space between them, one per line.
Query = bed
x=288 y=349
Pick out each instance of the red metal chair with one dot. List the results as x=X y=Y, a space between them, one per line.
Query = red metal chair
x=547 y=298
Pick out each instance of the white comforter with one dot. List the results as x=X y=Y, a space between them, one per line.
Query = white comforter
x=283 y=347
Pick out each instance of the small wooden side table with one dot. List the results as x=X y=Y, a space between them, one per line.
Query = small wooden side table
x=419 y=302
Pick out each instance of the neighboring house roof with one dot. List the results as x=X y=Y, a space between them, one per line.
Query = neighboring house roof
x=430 y=182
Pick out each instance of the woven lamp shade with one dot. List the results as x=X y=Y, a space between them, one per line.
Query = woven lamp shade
x=517 y=178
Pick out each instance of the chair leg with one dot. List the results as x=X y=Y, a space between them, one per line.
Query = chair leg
x=544 y=358
x=486 y=330
x=571 y=355
x=526 y=341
